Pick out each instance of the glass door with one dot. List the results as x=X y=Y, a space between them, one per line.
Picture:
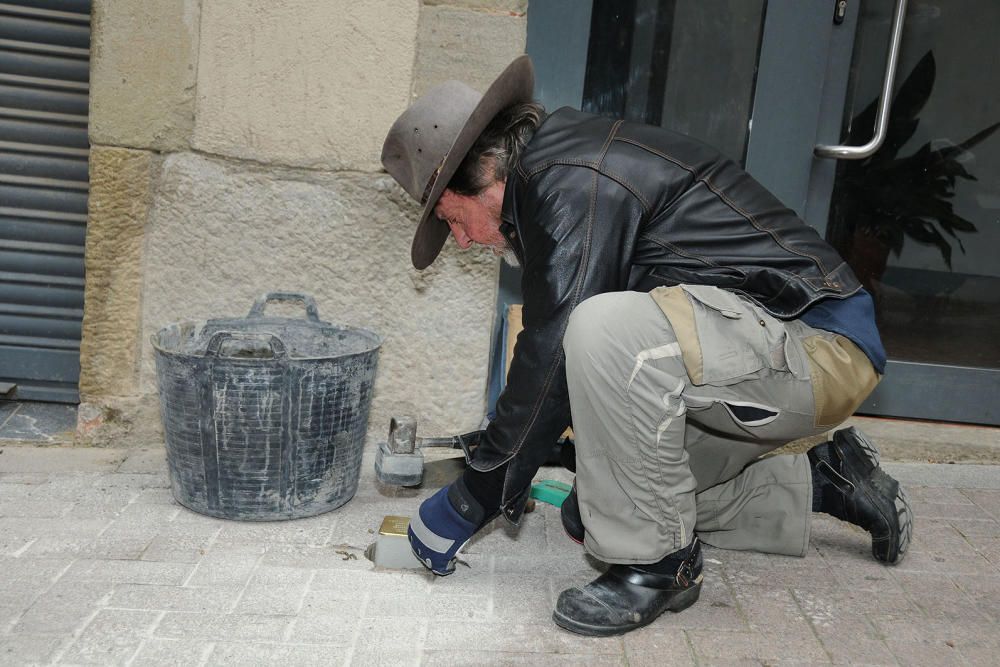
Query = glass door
x=767 y=81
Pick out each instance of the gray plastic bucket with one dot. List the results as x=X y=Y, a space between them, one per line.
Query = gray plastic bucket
x=265 y=417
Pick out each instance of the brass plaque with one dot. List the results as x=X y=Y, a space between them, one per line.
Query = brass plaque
x=394 y=525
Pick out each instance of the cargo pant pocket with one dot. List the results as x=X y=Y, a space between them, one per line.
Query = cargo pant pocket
x=723 y=337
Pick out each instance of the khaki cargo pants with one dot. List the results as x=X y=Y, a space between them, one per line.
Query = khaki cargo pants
x=675 y=394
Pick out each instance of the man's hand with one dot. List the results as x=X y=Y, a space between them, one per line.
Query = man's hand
x=443 y=525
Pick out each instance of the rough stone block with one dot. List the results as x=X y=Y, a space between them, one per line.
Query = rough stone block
x=143 y=67
x=470 y=46
x=119 y=202
x=230 y=232
x=303 y=83
x=515 y=6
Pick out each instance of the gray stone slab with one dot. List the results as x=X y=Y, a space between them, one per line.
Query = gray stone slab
x=22 y=459
x=957 y=476
x=268 y=655
x=19 y=650
x=145 y=460
x=44 y=422
x=173 y=652
x=127 y=572
x=232 y=627
x=174 y=598
x=111 y=638
x=64 y=608
x=7 y=409
x=329 y=627
x=502 y=659
x=284 y=600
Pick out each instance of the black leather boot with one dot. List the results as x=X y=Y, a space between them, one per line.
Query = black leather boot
x=853 y=487
x=627 y=597
x=569 y=512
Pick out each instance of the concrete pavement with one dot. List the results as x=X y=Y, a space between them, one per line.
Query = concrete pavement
x=101 y=566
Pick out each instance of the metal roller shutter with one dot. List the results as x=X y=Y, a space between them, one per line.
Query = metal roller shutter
x=44 y=81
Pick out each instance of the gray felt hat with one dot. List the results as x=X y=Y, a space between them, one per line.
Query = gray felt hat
x=429 y=140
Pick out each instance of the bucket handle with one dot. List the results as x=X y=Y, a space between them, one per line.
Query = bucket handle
x=278 y=349
x=309 y=303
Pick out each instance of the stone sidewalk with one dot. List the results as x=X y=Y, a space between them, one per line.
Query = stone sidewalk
x=101 y=566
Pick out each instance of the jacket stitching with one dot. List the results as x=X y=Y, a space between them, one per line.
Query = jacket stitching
x=584 y=261
x=728 y=202
x=753 y=221
x=677 y=250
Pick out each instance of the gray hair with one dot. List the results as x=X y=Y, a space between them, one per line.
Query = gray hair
x=498 y=148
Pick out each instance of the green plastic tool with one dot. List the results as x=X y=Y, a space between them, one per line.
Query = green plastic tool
x=551 y=491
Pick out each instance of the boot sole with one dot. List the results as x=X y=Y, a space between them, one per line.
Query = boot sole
x=677 y=604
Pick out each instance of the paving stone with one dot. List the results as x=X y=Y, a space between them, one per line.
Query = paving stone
x=732 y=646
x=920 y=495
x=660 y=643
x=34 y=509
x=857 y=650
x=174 y=598
x=178 y=652
x=766 y=608
x=313 y=531
x=331 y=556
x=28 y=650
x=231 y=627
x=226 y=565
x=284 y=600
x=112 y=637
x=488 y=659
x=516 y=637
x=378 y=642
x=988 y=500
x=127 y=572
x=521 y=598
x=277 y=575
x=336 y=628
x=268 y=655
x=924 y=653
x=949 y=511
x=145 y=460
x=63 y=608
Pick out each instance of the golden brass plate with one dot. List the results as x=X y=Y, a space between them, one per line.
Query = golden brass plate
x=394 y=525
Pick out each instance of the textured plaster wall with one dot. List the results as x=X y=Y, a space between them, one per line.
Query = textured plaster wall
x=467 y=45
x=303 y=83
x=143 y=70
x=120 y=181
x=222 y=233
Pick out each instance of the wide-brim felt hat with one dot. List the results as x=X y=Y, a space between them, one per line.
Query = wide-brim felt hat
x=428 y=142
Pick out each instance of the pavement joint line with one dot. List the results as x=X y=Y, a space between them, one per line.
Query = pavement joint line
x=150 y=632
x=19 y=552
x=349 y=657
x=10 y=416
x=75 y=635
x=208 y=547
x=246 y=584
x=302 y=603
x=206 y=653
x=812 y=626
x=17 y=619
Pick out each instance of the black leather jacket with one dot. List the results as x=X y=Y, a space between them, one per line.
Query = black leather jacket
x=597 y=205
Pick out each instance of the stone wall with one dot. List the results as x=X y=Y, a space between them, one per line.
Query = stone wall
x=236 y=151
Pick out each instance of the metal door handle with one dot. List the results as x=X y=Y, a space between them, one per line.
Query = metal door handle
x=882 y=115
